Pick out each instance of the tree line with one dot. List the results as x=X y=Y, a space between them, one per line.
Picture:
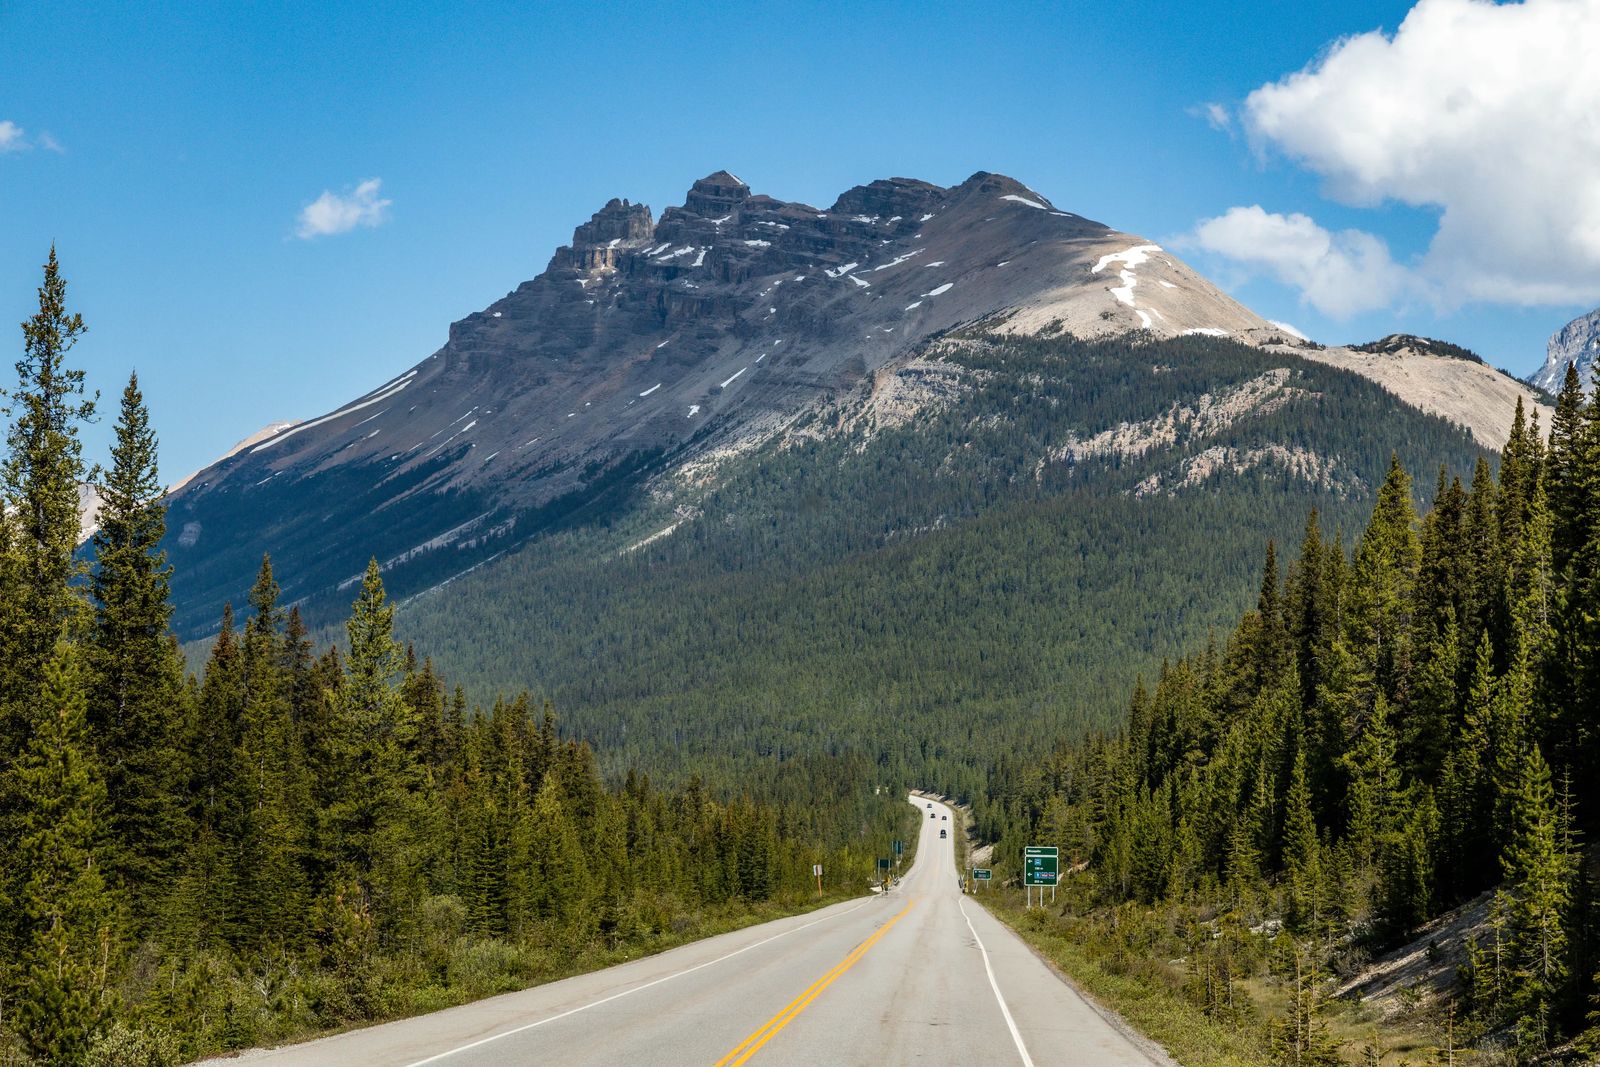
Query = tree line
x=1391 y=733
x=297 y=838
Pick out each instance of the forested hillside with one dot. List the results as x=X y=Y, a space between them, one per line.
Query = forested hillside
x=964 y=563
x=1390 y=733
x=296 y=839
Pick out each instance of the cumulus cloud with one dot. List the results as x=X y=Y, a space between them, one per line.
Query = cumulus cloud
x=1340 y=274
x=11 y=137
x=333 y=213
x=1484 y=112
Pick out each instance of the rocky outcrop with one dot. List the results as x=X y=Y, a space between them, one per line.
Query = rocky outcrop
x=1577 y=343
x=595 y=244
x=653 y=337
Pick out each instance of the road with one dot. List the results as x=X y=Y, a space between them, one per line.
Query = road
x=917 y=975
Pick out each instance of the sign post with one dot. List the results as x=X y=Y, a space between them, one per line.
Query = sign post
x=816 y=869
x=1041 y=866
x=979 y=875
x=899 y=846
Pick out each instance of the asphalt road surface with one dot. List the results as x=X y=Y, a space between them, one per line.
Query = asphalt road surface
x=917 y=975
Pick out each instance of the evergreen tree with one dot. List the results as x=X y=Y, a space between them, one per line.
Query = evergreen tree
x=70 y=948
x=375 y=775
x=42 y=471
x=1302 y=853
x=135 y=706
x=1539 y=868
x=1385 y=573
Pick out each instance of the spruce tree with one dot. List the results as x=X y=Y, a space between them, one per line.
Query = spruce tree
x=70 y=947
x=135 y=705
x=1385 y=573
x=371 y=814
x=41 y=475
x=1302 y=853
x=1539 y=868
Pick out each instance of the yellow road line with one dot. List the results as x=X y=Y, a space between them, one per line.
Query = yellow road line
x=752 y=1044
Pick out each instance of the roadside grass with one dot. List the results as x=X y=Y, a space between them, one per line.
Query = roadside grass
x=465 y=970
x=1146 y=994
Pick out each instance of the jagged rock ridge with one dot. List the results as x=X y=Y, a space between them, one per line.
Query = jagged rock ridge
x=1578 y=343
x=642 y=338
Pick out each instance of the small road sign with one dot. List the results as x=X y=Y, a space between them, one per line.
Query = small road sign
x=816 y=870
x=981 y=874
x=899 y=847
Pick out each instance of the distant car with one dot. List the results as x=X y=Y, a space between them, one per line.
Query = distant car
x=941 y=831
x=946 y=818
x=930 y=804
x=930 y=815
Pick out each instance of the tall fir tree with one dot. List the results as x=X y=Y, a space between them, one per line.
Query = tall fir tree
x=69 y=952
x=136 y=695
x=41 y=476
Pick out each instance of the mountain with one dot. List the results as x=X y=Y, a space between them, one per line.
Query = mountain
x=968 y=557
x=640 y=338
x=1443 y=379
x=1577 y=342
x=930 y=474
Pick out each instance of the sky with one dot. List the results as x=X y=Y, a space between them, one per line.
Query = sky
x=269 y=209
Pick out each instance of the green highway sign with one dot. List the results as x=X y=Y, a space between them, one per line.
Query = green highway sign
x=1041 y=865
x=981 y=874
x=883 y=863
x=899 y=846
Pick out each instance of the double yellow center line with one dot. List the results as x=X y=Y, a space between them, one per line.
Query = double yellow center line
x=752 y=1044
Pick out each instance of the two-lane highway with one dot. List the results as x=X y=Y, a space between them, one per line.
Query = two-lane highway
x=916 y=975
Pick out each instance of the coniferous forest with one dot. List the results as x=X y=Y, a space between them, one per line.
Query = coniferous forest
x=295 y=837
x=1394 y=732
x=298 y=838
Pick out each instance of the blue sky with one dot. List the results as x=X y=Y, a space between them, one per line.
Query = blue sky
x=170 y=156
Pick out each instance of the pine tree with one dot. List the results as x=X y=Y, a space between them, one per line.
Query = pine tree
x=1385 y=573
x=1568 y=478
x=1539 y=868
x=1373 y=786
x=70 y=946
x=272 y=796
x=42 y=471
x=371 y=812
x=1302 y=853
x=135 y=707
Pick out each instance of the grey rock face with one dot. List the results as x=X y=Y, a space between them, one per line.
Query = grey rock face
x=1578 y=342
x=641 y=341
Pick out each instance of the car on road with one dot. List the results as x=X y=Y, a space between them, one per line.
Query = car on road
x=941 y=831
x=946 y=818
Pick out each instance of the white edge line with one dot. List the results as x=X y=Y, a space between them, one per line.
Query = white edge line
x=679 y=974
x=1011 y=1024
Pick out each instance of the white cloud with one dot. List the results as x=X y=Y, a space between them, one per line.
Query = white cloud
x=11 y=138
x=333 y=213
x=1340 y=274
x=50 y=144
x=1216 y=115
x=1482 y=111
x=1287 y=328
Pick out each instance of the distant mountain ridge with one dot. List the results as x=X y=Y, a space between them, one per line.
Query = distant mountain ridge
x=647 y=342
x=1578 y=343
x=641 y=337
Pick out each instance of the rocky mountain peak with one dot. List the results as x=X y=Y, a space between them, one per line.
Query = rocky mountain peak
x=651 y=337
x=1578 y=343
x=716 y=195
x=596 y=243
